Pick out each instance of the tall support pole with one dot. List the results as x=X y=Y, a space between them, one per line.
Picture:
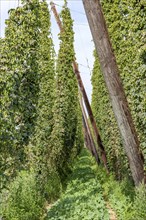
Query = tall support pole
x=91 y=116
x=87 y=127
x=115 y=88
x=86 y=136
x=87 y=104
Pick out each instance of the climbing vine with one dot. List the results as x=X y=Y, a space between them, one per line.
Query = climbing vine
x=126 y=27
x=20 y=75
x=41 y=120
x=38 y=149
x=6 y=120
x=65 y=111
x=106 y=122
x=128 y=37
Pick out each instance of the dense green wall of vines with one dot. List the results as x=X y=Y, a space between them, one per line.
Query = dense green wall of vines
x=38 y=150
x=126 y=25
x=126 y=22
x=6 y=121
x=106 y=122
x=65 y=118
x=19 y=71
x=41 y=121
x=22 y=39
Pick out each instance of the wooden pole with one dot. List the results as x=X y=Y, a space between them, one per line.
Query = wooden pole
x=87 y=127
x=86 y=137
x=115 y=88
x=91 y=116
x=87 y=104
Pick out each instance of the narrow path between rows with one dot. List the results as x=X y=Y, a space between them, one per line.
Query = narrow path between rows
x=83 y=198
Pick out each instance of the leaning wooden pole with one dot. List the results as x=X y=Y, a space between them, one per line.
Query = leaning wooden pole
x=87 y=127
x=88 y=107
x=86 y=137
x=91 y=116
x=115 y=88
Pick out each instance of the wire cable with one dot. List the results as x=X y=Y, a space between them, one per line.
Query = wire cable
x=70 y=9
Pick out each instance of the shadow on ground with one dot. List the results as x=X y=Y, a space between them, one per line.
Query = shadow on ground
x=83 y=198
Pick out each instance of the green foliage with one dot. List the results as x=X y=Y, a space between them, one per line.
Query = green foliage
x=106 y=122
x=127 y=32
x=127 y=202
x=118 y=200
x=7 y=129
x=44 y=135
x=125 y=207
x=90 y=189
x=27 y=84
x=139 y=206
x=83 y=198
x=53 y=187
x=38 y=149
x=22 y=42
x=23 y=200
x=19 y=88
x=66 y=115
x=125 y=21
x=79 y=139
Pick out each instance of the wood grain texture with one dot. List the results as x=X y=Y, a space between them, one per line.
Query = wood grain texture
x=114 y=85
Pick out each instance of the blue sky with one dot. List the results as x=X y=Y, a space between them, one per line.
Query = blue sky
x=83 y=39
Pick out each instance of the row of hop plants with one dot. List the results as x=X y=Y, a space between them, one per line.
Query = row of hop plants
x=41 y=124
x=127 y=201
x=126 y=25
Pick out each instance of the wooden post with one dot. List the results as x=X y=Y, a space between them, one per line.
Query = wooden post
x=91 y=117
x=87 y=127
x=114 y=85
x=86 y=137
x=87 y=104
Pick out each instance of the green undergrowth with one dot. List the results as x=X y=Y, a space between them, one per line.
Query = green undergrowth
x=83 y=198
x=127 y=201
x=23 y=200
x=88 y=191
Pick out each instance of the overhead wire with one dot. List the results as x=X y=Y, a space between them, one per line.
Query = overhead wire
x=82 y=24
x=84 y=48
x=76 y=24
x=70 y=9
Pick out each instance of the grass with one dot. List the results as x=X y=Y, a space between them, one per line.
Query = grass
x=90 y=189
x=83 y=198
